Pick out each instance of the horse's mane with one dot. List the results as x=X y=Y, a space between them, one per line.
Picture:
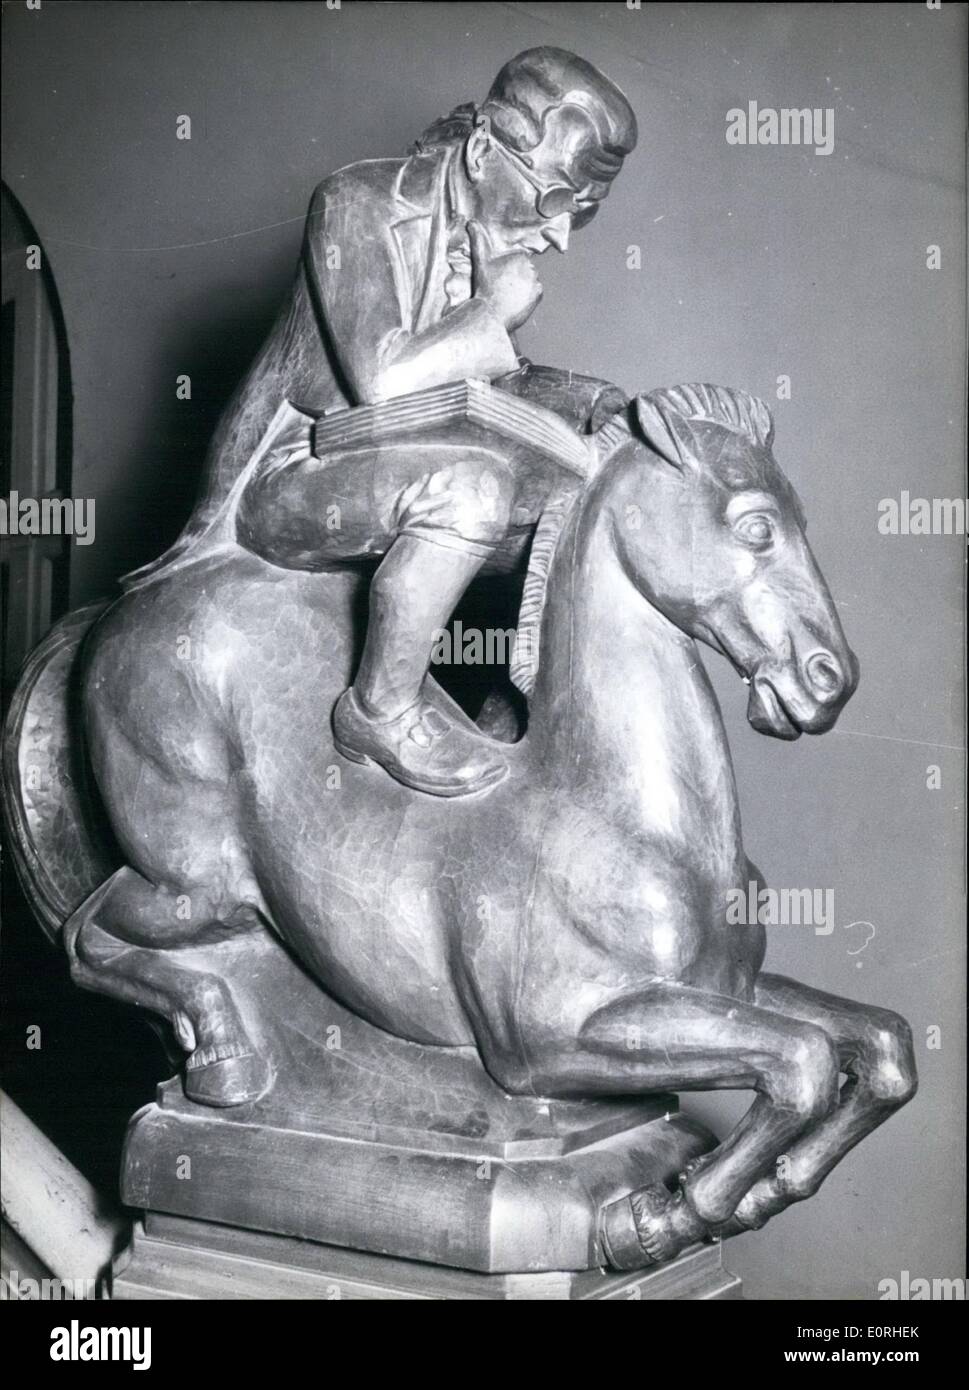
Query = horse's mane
x=523 y=666
x=695 y=402
x=718 y=405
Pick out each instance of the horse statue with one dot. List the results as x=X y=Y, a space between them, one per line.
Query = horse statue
x=564 y=932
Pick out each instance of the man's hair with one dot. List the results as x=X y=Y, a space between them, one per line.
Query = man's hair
x=527 y=90
x=452 y=129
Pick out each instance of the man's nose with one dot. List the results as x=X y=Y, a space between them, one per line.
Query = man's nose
x=557 y=233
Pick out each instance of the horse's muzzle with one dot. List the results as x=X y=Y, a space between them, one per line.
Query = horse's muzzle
x=785 y=705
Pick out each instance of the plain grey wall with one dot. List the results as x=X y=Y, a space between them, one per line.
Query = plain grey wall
x=171 y=256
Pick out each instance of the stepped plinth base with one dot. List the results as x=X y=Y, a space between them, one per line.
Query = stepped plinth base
x=516 y=1198
x=172 y=1258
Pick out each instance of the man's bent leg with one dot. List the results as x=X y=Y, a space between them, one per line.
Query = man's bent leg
x=413 y=594
x=385 y=717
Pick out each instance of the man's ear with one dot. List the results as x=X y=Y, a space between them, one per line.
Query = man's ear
x=666 y=433
x=476 y=147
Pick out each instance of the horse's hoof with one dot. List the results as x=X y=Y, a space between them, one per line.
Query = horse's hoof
x=665 y=1223
x=619 y=1237
x=648 y=1227
x=226 y=1075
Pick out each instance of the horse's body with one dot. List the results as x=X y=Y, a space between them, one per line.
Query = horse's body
x=383 y=921
x=571 y=922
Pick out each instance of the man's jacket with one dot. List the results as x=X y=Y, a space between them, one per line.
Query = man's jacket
x=367 y=317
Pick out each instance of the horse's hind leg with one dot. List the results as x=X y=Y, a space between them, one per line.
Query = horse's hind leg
x=132 y=939
x=875 y=1048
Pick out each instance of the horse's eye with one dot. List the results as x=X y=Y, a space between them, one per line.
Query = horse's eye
x=756 y=530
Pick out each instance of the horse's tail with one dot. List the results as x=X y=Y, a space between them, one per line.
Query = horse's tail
x=59 y=840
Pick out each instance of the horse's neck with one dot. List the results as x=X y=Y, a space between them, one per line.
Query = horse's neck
x=622 y=707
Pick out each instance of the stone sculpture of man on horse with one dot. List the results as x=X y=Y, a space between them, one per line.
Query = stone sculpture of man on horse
x=562 y=938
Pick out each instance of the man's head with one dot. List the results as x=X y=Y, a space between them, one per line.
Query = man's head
x=541 y=151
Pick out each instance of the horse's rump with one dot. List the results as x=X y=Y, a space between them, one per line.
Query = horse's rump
x=60 y=843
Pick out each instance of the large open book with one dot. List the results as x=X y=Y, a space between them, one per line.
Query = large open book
x=471 y=412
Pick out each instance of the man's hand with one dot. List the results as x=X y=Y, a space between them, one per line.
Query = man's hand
x=508 y=283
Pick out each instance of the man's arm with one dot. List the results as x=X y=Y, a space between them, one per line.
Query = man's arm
x=363 y=302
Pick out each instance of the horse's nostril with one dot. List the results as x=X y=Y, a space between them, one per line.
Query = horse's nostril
x=825 y=675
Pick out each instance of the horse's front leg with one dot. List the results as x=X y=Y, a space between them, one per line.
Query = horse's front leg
x=875 y=1050
x=671 y=1037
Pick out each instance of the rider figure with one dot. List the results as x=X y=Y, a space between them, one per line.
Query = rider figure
x=513 y=178
x=416 y=273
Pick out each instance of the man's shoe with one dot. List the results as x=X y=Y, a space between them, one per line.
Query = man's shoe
x=422 y=747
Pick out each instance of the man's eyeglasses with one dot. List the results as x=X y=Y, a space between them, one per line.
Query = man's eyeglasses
x=555 y=200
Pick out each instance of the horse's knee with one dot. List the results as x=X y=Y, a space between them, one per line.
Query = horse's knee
x=888 y=1064
x=807 y=1080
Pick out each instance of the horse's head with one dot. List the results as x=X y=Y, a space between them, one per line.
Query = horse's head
x=712 y=534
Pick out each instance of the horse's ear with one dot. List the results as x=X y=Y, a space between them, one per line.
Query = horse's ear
x=667 y=433
x=763 y=422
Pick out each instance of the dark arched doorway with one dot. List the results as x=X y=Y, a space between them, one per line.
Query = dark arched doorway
x=35 y=435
